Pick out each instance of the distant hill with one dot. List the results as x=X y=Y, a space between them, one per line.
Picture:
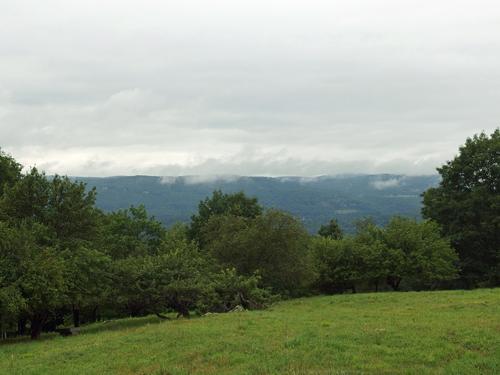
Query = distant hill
x=314 y=200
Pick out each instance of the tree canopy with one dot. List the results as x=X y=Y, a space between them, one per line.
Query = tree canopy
x=331 y=230
x=236 y=204
x=10 y=171
x=467 y=206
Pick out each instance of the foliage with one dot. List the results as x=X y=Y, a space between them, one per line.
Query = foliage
x=63 y=206
x=182 y=279
x=230 y=290
x=403 y=250
x=467 y=206
x=10 y=171
x=421 y=254
x=237 y=204
x=130 y=232
x=331 y=230
x=33 y=274
x=273 y=244
x=88 y=278
x=339 y=263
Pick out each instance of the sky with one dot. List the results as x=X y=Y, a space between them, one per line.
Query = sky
x=274 y=88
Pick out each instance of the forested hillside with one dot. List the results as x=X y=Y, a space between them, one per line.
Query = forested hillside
x=314 y=200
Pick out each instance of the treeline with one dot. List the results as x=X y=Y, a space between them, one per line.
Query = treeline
x=63 y=261
x=61 y=257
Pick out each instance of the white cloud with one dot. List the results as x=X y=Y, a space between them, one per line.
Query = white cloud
x=198 y=179
x=386 y=184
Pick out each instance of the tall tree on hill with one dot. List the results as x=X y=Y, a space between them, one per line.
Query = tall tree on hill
x=331 y=230
x=63 y=206
x=273 y=244
x=130 y=232
x=10 y=171
x=32 y=275
x=236 y=204
x=66 y=212
x=417 y=252
x=467 y=206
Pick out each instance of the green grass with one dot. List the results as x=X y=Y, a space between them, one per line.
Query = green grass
x=386 y=333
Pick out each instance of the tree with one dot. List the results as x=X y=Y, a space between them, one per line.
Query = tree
x=404 y=250
x=133 y=287
x=236 y=204
x=33 y=274
x=11 y=305
x=467 y=206
x=10 y=171
x=88 y=279
x=181 y=279
x=331 y=230
x=273 y=244
x=27 y=199
x=43 y=286
x=63 y=206
x=60 y=219
x=71 y=211
x=228 y=289
x=339 y=264
x=130 y=232
x=418 y=253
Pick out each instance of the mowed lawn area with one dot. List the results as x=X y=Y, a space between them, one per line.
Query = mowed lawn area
x=452 y=332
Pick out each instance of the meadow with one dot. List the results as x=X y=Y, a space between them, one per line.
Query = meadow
x=445 y=332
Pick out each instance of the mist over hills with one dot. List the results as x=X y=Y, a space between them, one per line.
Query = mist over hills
x=315 y=200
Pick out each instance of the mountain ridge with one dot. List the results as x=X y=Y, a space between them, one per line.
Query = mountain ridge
x=314 y=200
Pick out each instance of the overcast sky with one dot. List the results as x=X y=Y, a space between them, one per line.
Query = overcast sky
x=96 y=88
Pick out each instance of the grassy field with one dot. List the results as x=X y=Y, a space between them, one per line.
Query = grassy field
x=454 y=332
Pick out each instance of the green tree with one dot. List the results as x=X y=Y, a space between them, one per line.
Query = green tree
x=43 y=286
x=180 y=279
x=331 y=230
x=12 y=304
x=173 y=279
x=10 y=171
x=88 y=278
x=27 y=199
x=419 y=253
x=273 y=244
x=467 y=206
x=60 y=218
x=34 y=273
x=130 y=232
x=63 y=206
x=11 y=301
x=228 y=289
x=236 y=204
x=71 y=211
x=340 y=264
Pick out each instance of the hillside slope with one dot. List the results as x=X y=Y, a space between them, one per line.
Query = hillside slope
x=452 y=332
x=314 y=200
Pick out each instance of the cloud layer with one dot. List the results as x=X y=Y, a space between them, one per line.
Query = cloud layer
x=246 y=88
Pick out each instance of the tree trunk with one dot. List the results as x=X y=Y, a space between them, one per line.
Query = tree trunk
x=76 y=316
x=37 y=321
x=182 y=311
x=353 y=288
x=93 y=315
x=394 y=282
x=376 y=286
x=21 y=326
